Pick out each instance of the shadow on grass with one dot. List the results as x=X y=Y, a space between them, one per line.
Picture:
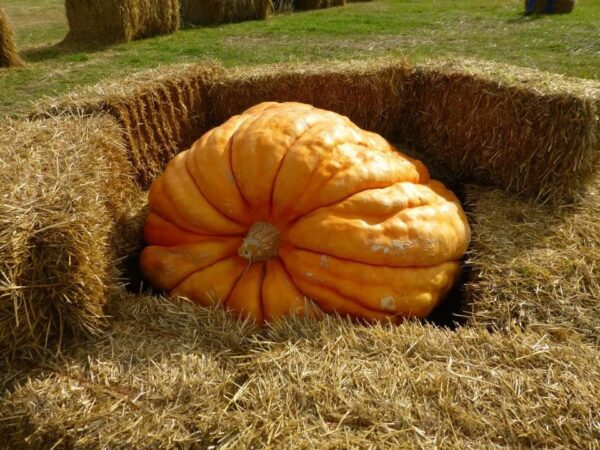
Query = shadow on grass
x=63 y=48
x=522 y=18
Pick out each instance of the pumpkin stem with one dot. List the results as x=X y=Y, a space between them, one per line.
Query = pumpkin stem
x=261 y=243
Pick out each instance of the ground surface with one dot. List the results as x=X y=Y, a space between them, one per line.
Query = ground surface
x=416 y=29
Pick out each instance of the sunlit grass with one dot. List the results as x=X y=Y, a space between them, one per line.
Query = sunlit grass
x=415 y=29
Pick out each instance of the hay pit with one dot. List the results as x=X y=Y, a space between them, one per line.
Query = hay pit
x=494 y=145
x=102 y=22
x=522 y=371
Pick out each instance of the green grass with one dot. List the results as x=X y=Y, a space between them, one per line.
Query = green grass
x=415 y=29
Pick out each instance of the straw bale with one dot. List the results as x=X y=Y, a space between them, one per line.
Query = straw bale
x=161 y=112
x=173 y=375
x=283 y=6
x=369 y=93
x=305 y=5
x=494 y=124
x=9 y=56
x=535 y=266
x=518 y=129
x=101 y=22
x=67 y=216
x=214 y=12
x=560 y=6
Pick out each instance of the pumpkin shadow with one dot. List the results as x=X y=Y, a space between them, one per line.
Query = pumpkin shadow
x=450 y=313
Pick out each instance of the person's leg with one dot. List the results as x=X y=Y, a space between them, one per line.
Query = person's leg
x=550 y=6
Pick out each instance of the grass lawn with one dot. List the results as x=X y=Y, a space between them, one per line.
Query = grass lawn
x=415 y=29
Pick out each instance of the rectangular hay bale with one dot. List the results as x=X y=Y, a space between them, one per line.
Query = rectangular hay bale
x=518 y=129
x=214 y=12
x=101 y=22
x=161 y=112
x=369 y=93
x=69 y=212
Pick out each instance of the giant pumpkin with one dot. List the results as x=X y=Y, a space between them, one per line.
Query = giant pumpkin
x=289 y=209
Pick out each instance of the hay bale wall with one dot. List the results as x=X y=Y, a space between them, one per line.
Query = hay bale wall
x=67 y=215
x=161 y=112
x=384 y=96
x=520 y=130
x=535 y=266
x=170 y=375
x=101 y=22
x=369 y=93
x=9 y=56
x=214 y=12
x=493 y=124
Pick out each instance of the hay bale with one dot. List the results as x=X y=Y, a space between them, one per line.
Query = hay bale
x=67 y=216
x=101 y=22
x=305 y=5
x=283 y=6
x=160 y=111
x=539 y=6
x=170 y=375
x=369 y=93
x=521 y=130
x=535 y=266
x=9 y=56
x=490 y=123
x=214 y=12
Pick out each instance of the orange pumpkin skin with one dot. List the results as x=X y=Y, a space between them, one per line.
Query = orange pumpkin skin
x=289 y=209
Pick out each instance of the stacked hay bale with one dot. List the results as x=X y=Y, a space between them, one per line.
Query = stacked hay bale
x=101 y=22
x=214 y=12
x=518 y=129
x=160 y=112
x=9 y=56
x=68 y=214
x=72 y=202
x=369 y=93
